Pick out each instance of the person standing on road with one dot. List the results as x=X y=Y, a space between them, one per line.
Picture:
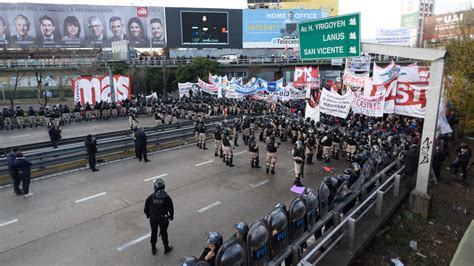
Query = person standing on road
x=54 y=135
x=141 y=145
x=159 y=209
x=272 y=147
x=24 y=171
x=91 y=146
x=253 y=149
x=299 y=158
x=13 y=171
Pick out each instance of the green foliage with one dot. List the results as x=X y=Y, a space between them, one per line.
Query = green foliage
x=121 y=68
x=459 y=70
x=199 y=68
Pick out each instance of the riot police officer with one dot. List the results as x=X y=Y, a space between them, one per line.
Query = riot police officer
x=298 y=157
x=202 y=136
x=253 y=149
x=159 y=209
x=272 y=148
x=32 y=117
x=7 y=121
x=214 y=242
x=351 y=147
x=326 y=142
x=218 y=141
x=19 y=117
x=42 y=116
x=241 y=231
x=227 y=147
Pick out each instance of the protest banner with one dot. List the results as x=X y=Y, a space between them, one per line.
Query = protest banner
x=332 y=103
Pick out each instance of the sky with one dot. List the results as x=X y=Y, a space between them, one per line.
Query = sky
x=375 y=13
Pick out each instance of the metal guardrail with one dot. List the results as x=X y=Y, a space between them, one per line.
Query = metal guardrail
x=46 y=144
x=340 y=228
x=75 y=151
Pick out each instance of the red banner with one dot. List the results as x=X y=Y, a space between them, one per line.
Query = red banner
x=89 y=89
x=306 y=77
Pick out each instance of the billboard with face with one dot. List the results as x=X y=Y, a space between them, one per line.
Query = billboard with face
x=27 y=25
x=274 y=28
x=199 y=28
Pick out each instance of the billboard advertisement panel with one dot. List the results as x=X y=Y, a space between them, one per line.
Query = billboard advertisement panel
x=274 y=28
x=409 y=18
x=400 y=36
x=204 y=28
x=330 y=7
x=30 y=25
x=440 y=29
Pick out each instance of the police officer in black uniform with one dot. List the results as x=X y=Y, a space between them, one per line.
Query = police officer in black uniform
x=241 y=231
x=159 y=209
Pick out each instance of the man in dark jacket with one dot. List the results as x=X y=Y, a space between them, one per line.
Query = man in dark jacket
x=91 y=146
x=13 y=171
x=141 y=145
x=463 y=156
x=159 y=209
x=54 y=135
x=24 y=171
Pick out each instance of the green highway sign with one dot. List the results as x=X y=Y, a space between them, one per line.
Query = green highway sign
x=334 y=37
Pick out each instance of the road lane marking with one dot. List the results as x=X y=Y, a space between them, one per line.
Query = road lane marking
x=209 y=206
x=90 y=197
x=240 y=152
x=9 y=222
x=260 y=184
x=133 y=242
x=203 y=163
x=155 y=177
x=19 y=136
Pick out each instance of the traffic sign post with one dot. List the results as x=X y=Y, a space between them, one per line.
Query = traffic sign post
x=334 y=37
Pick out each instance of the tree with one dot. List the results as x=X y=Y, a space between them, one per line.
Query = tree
x=41 y=93
x=18 y=76
x=199 y=68
x=459 y=71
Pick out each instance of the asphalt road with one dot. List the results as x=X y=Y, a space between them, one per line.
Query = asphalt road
x=40 y=134
x=89 y=218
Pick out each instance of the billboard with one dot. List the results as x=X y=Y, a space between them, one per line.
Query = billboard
x=400 y=36
x=440 y=29
x=409 y=18
x=274 y=28
x=330 y=7
x=30 y=25
x=204 y=28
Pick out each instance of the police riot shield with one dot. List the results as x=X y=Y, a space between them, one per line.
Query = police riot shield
x=278 y=227
x=297 y=218
x=312 y=209
x=367 y=169
x=323 y=199
x=258 y=243
x=233 y=252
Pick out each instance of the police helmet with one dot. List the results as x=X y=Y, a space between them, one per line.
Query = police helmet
x=159 y=184
x=280 y=205
x=18 y=107
x=31 y=107
x=329 y=180
x=298 y=144
x=356 y=167
x=242 y=228
x=414 y=147
x=188 y=261
x=215 y=238
x=347 y=171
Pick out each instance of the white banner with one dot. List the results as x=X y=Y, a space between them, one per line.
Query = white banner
x=312 y=113
x=386 y=74
x=354 y=80
x=184 y=88
x=443 y=124
x=400 y=36
x=410 y=100
x=358 y=63
x=209 y=88
x=334 y=104
x=369 y=106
